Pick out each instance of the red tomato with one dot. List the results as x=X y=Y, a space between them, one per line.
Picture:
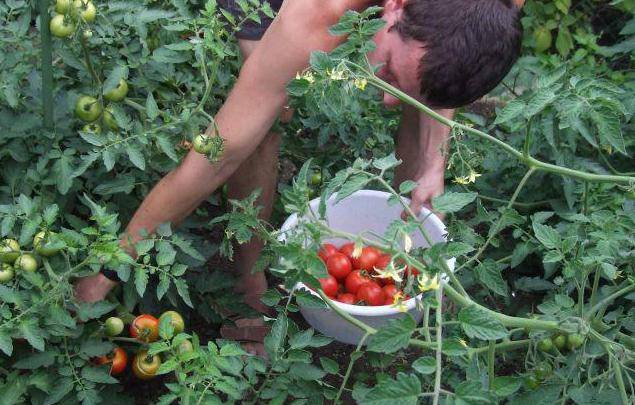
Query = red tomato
x=382 y=261
x=371 y=294
x=413 y=271
x=347 y=249
x=338 y=265
x=366 y=259
x=329 y=286
x=145 y=328
x=346 y=298
x=118 y=358
x=326 y=251
x=390 y=291
x=355 y=280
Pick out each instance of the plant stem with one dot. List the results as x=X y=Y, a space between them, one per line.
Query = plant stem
x=47 y=65
x=89 y=64
x=349 y=368
x=527 y=160
x=493 y=233
x=439 y=342
x=501 y=347
x=426 y=323
x=491 y=358
x=596 y=283
x=606 y=301
x=619 y=379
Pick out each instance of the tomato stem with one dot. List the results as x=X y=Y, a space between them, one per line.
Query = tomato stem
x=47 y=66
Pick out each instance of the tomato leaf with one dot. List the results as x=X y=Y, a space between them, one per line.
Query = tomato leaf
x=452 y=201
x=479 y=324
x=425 y=365
x=394 y=336
x=33 y=333
x=406 y=388
x=37 y=360
x=98 y=375
x=6 y=344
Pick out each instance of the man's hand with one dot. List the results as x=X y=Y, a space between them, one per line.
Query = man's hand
x=93 y=288
x=430 y=185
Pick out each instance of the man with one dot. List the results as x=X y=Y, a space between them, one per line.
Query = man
x=446 y=53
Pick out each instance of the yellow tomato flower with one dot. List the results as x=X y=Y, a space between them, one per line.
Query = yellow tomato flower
x=361 y=83
x=427 y=283
x=336 y=74
x=397 y=302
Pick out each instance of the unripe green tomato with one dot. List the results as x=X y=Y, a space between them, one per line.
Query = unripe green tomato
x=316 y=179
x=175 y=319
x=85 y=9
x=40 y=241
x=109 y=120
x=532 y=382
x=185 y=347
x=61 y=27
x=9 y=250
x=113 y=326
x=6 y=273
x=202 y=144
x=574 y=341
x=26 y=262
x=92 y=128
x=62 y=6
x=87 y=108
x=118 y=93
x=559 y=341
x=87 y=34
x=543 y=39
x=545 y=345
x=543 y=371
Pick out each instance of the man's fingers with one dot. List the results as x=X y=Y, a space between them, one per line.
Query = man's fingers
x=415 y=206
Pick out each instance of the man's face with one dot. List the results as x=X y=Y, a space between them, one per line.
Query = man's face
x=399 y=59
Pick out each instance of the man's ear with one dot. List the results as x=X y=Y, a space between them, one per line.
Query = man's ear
x=519 y=3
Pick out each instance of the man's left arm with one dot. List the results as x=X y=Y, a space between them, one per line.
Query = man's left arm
x=430 y=174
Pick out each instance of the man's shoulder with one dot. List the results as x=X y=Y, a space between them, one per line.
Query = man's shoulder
x=327 y=11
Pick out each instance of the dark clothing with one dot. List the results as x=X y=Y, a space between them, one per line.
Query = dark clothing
x=250 y=29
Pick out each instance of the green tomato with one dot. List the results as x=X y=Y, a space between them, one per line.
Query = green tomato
x=316 y=179
x=9 y=250
x=87 y=34
x=202 y=144
x=109 y=119
x=6 y=273
x=61 y=27
x=559 y=341
x=42 y=244
x=543 y=39
x=118 y=93
x=62 y=6
x=532 y=382
x=87 y=108
x=574 y=341
x=92 y=128
x=185 y=347
x=176 y=319
x=545 y=345
x=26 y=262
x=85 y=9
x=543 y=371
x=113 y=326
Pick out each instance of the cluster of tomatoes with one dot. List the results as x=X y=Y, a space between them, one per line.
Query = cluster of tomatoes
x=561 y=342
x=13 y=259
x=68 y=13
x=145 y=329
x=353 y=279
x=90 y=110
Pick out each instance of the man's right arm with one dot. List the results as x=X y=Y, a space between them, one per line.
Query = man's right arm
x=243 y=121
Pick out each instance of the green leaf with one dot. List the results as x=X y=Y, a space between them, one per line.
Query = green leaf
x=95 y=310
x=406 y=389
x=352 y=184
x=32 y=333
x=63 y=386
x=183 y=291
x=301 y=339
x=37 y=360
x=452 y=201
x=112 y=81
x=505 y=386
x=275 y=339
x=6 y=344
x=480 y=324
x=152 y=109
x=489 y=274
x=394 y=336
x=549 y=237
x=98 y=374
x=307 y=372
x=167 y=147
x=407 y=187
x=512 y=110
x=386 y=163
x=163 y=286
x=136 y=157
x=96 y=347
x=329 y=365
x=564 y=41
x=141 y=280
x=425 y=365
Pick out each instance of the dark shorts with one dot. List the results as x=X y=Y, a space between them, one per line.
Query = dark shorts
x=250 y=30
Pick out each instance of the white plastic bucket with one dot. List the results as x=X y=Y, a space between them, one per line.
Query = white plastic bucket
x=364 y=211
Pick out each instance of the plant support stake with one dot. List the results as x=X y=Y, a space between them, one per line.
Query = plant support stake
x=47 y=66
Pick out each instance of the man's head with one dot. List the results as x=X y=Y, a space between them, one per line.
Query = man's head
x=447 y=53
